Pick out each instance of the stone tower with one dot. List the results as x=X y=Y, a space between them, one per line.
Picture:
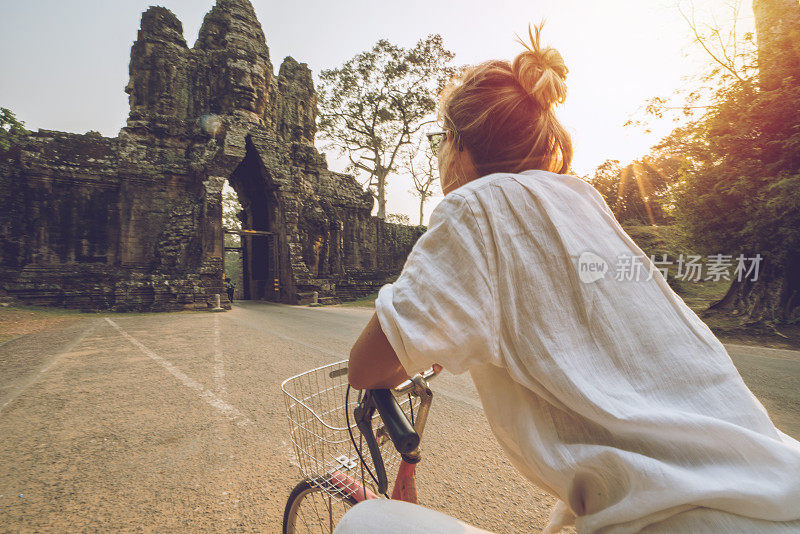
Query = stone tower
x=135 y=222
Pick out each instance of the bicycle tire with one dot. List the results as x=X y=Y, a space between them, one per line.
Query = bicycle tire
x=307 y=495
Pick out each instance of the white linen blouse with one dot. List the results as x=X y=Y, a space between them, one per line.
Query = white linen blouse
x=606 y=391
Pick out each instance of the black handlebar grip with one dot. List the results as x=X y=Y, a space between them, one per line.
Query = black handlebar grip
x=403 y=436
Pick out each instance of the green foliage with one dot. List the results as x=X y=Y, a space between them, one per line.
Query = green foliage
x=398 y=218
x=233 y=267
x=378 y=102
x=230 y=209
x=606 y=180
x=639 y=193
x=11 y=129
x=741 y=184
x=738 y=186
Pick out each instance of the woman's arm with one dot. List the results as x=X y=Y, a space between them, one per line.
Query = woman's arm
x=373 y=362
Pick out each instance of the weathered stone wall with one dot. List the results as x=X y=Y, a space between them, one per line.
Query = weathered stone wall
x=79 y=231
x=135 y=222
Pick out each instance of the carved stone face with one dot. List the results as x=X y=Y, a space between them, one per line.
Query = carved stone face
x=247 y=83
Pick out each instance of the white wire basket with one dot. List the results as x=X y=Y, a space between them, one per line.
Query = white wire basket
x=315 y=405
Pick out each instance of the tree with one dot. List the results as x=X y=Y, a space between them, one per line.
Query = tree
x=423 y=167
x=730 y=55
x=742 y=195
x=230 y=220
x=231 y=209
x=398 y=218
x=778 y=30
x=639 y=192
x=378 y=101
x=740 y=187
x=606 y=180
x=11 y=129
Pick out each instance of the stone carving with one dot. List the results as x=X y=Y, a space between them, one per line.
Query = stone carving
x=135 y=222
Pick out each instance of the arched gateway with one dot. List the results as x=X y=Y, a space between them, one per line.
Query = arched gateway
x=135 y=222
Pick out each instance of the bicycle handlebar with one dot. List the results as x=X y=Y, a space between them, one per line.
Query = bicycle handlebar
x=402 y=434
x=409 y=384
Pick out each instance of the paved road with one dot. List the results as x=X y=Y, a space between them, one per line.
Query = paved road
x=176 y=422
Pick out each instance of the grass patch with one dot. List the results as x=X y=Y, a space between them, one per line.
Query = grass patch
x=673 y=241
x=699 y=295
x=367 y=301
x=659 y=240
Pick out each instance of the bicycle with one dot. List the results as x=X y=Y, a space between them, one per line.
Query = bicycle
x=318 y=401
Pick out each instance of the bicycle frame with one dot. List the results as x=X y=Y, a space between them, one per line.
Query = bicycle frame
x=405 y=484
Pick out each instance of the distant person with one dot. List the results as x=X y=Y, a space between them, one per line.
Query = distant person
x=608 y=392
x=230 y=287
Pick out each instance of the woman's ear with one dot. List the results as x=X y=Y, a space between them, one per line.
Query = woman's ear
x=456 y=167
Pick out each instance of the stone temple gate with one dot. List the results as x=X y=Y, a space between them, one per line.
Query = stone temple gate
x=135 y=222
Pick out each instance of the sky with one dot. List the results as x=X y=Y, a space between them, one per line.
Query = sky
x=64 y=63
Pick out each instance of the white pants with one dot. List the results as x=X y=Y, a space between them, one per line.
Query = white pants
x=382 y=516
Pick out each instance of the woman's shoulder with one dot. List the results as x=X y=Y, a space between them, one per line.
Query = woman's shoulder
x=538 y=194
x=483 y=198
x=532 y=182
x=479 y=185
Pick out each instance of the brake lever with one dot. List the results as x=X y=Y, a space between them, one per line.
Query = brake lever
x=363 y=415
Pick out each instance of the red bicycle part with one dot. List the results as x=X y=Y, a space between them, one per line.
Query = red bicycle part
x=351 y=487
x=405 y=485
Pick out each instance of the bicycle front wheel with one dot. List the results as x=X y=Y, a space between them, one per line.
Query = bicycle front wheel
x=310 y=509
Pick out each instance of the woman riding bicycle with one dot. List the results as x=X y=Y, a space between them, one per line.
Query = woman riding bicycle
x=606 y=391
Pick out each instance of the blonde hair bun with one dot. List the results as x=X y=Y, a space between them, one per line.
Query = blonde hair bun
x=541 y=71
x=502 y=115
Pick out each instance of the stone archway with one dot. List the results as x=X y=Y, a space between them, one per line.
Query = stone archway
x=260 y=233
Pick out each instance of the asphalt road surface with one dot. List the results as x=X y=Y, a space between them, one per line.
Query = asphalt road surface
x=165 y=422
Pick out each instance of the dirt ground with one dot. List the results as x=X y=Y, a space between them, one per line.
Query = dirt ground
x=176 y=422
x=18 y=321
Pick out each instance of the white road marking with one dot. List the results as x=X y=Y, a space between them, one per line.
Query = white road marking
x=226 y=409
x=219 y=364
x=49 y=364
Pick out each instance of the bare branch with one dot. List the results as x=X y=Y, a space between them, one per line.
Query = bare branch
x=702 y=42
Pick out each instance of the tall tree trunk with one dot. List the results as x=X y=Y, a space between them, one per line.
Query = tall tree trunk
x=774 y=297
x=778 y=35
x=421 y=204
x=382 y=193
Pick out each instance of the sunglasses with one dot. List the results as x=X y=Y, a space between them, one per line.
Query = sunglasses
x=436 y=139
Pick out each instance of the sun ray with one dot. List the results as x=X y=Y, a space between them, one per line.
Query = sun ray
x=643 y=183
